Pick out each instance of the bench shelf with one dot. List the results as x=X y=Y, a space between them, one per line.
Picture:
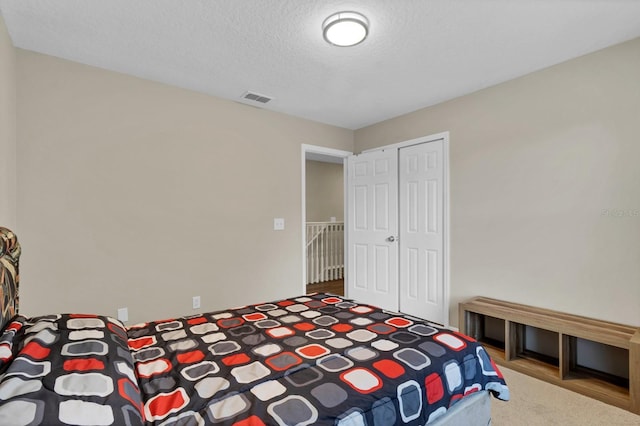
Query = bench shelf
x=506 y=329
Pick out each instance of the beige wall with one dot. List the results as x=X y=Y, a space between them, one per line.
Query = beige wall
x=545 y=185
x=7 y=130
x=132 y=193
x=137 y=194
x=324 y=191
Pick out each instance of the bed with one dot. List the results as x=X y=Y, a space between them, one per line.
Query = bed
x=306 y=360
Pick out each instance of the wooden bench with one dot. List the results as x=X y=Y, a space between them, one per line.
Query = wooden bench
x=511 y=350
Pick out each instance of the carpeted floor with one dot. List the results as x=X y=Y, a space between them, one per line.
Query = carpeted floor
x=534 y=402
x=537 y=403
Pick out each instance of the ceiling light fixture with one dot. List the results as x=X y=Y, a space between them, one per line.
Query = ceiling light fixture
x=345 y=29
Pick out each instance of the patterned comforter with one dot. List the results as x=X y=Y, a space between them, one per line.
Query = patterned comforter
x=316 y=359
x=67 y=369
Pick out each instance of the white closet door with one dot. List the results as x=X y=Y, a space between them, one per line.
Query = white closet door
x=421 y=177
x=372 y=207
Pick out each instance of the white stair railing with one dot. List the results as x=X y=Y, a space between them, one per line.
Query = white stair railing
x=325 y=251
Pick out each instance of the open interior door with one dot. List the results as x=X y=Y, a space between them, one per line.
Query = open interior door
x=372 y=231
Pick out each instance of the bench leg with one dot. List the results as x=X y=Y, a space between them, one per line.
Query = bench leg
x=634 y=372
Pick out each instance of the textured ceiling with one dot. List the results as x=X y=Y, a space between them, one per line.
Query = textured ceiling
x=418 y=53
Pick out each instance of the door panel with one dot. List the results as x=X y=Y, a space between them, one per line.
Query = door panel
x=421 y=181
x=372 y=208
x=390 y=193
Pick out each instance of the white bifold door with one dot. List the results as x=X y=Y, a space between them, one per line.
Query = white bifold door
x=395 y=230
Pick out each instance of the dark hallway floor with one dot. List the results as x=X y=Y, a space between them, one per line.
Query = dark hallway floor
x=333 y=287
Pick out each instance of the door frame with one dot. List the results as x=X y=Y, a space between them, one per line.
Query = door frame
x=319 y=152
x=444 y=136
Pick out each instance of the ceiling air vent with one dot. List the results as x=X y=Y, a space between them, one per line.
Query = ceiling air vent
x=256 y=97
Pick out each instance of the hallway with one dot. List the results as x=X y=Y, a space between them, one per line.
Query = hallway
x=334 y=287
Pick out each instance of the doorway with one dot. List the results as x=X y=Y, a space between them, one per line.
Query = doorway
x=325 y=226
x=323 y=215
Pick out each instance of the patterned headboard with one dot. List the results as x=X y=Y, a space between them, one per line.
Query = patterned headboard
x=9 y=276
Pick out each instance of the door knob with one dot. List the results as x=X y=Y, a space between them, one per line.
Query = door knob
x=391 y=239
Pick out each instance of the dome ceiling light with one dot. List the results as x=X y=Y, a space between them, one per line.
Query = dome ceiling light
x=345 y=29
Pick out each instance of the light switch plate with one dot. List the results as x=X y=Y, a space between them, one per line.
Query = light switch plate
x=278 y=224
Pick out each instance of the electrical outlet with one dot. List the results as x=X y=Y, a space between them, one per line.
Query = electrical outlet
x=123 y=314
x=278 y=223
x=196 y=302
